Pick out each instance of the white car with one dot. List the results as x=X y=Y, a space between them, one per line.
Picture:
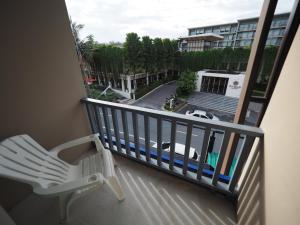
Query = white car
x=179 y=149
x=201 y=114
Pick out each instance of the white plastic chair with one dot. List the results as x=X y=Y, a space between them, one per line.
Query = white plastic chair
x=23 y=159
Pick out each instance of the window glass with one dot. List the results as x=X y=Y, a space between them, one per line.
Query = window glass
x=208 y=30
x=216 y=30
x=233 y=28
x=244 y=27
x=192 y=32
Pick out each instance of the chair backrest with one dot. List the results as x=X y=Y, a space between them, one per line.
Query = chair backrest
x=23 y=159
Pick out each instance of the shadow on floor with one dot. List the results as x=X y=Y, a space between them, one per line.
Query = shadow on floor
x=152 y=198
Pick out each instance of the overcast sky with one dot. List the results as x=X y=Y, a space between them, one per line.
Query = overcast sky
x=110 y=20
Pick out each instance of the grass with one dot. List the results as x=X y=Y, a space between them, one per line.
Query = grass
x=110 y=95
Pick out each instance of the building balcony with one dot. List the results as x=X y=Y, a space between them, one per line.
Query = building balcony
x=151 y=198
x=197 y=193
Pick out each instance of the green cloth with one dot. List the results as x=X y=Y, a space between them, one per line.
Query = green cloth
x=213 y=158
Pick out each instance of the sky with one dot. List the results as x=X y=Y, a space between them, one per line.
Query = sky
x=110 y=20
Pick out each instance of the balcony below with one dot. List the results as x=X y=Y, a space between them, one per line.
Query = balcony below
x=152 y=198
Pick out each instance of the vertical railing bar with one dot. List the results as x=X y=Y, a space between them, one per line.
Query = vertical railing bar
x=159 y=141
x=203 y=152
x=116 y=129
x=172 y=144
x=90 y=117
x=107 y=127
x=187 y=147
x=135 y=133
x=99 y=124
x=221 y=157
x=245 y=150
x=147 y=137
x=125 y=130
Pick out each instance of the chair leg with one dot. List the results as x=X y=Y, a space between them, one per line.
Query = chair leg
x=115 y=186
x=114 y=161
x=67 y=200
x=63 y=206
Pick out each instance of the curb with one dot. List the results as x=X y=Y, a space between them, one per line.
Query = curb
x=163 y=108
x=141 y=98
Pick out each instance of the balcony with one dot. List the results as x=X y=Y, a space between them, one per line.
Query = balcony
x=163 y=182
x=141 y=134
x=153 y=196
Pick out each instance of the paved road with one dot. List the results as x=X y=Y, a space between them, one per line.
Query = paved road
x=197 y=133
x=157 y=98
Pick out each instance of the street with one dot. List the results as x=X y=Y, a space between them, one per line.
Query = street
x=196 y=139
x=157 y=98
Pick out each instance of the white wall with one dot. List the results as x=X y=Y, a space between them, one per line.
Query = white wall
x=233 y=89
x=234 y=85
x=271 y=195
x=282 y=146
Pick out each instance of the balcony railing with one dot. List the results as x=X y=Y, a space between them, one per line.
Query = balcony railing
x=142 y=134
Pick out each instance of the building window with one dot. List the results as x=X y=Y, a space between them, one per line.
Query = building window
x=273 y=41
x=214 y=44
x=244 y=27
x=200 y=31
x=233 y=28
x=244 y=43
x=192 y=32
x=279 y=23
x=252 y=26
x=216 y=30
x=225 y=28
x=208 y=30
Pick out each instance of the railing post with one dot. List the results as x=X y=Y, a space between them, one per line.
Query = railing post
x=159 y=140
x=136 y=135
x=203 y=153
x=116 y=129
x=221 y=157
x=125 y=131
x=99 y=124
x=187 y=147
x=147 y=137
x=244 y=153
x=89 y=112
x=172 y=144
x=107 y=127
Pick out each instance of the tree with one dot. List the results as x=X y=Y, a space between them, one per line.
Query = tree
x=109 y=61
x=87 y=47
x=132 y=51
x=186 y=84
x=75 y=31
x=168 y=53
x=147 y=54
x=158 y=54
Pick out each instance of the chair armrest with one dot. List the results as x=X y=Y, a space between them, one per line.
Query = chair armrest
x=73 y=143
x=68 y=187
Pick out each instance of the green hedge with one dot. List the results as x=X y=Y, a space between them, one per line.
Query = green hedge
x=146 y=89
x=96 y=94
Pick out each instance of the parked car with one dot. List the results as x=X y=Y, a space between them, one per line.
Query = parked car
x=179 y=149
x=201 y=114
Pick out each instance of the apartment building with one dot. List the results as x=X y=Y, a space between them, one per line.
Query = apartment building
x=43 y=95
x=236 y=35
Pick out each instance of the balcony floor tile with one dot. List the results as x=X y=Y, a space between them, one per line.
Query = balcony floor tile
x=152 y=198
